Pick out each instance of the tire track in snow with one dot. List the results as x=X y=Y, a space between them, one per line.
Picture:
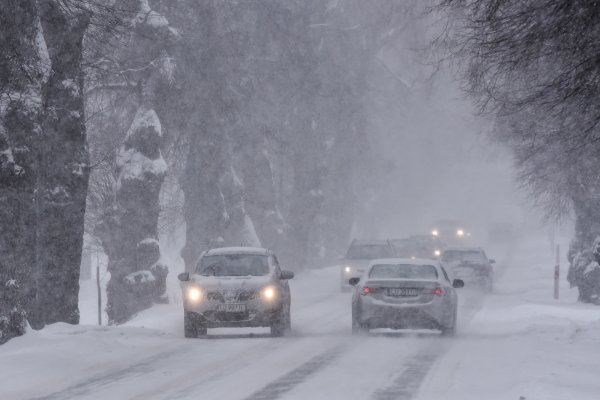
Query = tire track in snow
x=298 y=375
x=138 y=368
x=407 y=383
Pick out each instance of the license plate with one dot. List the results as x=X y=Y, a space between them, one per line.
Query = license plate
x=404 y=292
x=232 y=307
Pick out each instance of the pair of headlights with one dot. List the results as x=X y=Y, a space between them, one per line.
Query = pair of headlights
x=195 y=294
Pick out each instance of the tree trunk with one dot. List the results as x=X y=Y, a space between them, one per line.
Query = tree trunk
x=63 y=170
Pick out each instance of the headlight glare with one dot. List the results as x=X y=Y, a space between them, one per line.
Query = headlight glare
x=194 y=294
x=268 y=293
x=347 y=269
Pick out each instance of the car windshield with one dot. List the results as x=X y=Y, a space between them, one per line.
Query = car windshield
x=468 y=256
x=368 y=252
x=403 y=271
x=233 y=265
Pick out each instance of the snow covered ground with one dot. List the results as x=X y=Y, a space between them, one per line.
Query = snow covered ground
x=522 y=344
x=517 y=343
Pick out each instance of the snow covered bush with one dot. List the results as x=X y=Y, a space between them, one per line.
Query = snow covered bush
x=129 y=230
x=12 y=314
x=584 y=272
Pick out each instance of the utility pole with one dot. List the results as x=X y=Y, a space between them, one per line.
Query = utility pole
x=557 y=272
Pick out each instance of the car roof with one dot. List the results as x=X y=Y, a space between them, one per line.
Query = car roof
x=409 y=261
x=237 y=250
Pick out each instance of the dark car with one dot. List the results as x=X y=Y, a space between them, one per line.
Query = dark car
x=470 y=264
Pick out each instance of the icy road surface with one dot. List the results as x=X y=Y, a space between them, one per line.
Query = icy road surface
x=320 y=359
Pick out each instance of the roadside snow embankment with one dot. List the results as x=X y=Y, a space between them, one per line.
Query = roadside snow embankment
x=522 y=344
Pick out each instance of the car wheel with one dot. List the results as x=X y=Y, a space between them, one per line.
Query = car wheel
x=359 y=328
x=490 y=285
x=190 y=326
x=450 y=330
x=278 y=325
x=288 y=321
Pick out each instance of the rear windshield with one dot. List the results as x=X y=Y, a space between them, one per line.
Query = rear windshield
x=403 y=271
x=233 y=265
x=369 y=252
x=466 y=256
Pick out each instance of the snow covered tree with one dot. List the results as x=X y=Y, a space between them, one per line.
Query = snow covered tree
x=128 y=228
x=21 y=74
x=44 y=159
x=533 y=66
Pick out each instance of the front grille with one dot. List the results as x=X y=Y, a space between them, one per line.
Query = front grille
x=231 y=296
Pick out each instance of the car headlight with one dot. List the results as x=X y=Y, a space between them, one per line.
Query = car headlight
x=435 y=232
x=437 y=253
x=268 y=293
x=347 y=269
x=194 y=294
x=460 y=232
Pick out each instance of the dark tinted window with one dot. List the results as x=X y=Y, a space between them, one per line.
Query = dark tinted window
x=233 y=265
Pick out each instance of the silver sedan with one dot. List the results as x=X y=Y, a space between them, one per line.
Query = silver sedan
x=405 y=294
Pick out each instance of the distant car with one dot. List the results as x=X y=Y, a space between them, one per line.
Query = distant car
x=405 y=294
x=360 y=253
x=236 y=287
x=450 y=231
x=471 y=265
x=418 y=246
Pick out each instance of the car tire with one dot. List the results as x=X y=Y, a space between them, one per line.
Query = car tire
x=288 y=321
x=278 y=325
x=190 y=325
x=450 y=331
x=358 y=328
x=489 y=288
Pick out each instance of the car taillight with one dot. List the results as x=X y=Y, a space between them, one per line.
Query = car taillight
x=438 y=291
x=366 y=290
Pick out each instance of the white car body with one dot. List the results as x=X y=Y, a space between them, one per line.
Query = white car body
x=405 y=303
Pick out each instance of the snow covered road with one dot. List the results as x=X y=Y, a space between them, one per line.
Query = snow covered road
x=150 y=359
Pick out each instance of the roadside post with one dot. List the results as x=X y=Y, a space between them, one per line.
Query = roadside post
x=557 y=272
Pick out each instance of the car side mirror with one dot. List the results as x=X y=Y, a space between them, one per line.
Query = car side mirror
x=353 y=281
x=458 y=283
x=286 y=275
x=492 y=261
x=184 y=276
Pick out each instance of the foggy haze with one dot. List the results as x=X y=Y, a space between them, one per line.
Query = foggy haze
x=299 y=199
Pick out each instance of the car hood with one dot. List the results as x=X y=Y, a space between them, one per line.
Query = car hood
x=223 y=283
